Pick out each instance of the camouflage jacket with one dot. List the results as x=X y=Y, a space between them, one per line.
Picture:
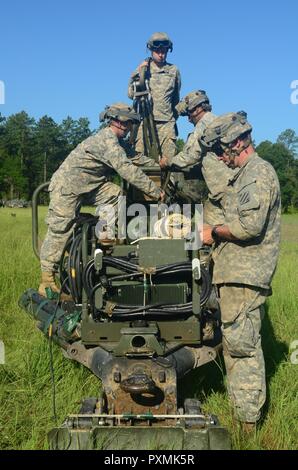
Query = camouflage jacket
x=252 y=214
x=191 y=153
x=164 y=84
x=94 y=161
x=216 y=174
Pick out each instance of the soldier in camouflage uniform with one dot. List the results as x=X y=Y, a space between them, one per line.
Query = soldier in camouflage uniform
x=245 y=257
x=164 y=84
x=197 y=107
x=84 y=178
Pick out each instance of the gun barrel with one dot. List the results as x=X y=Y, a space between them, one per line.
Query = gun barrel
x=47 y=313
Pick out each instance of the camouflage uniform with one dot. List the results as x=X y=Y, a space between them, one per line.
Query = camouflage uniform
x=216 y=175
x=84 y=178
x=165 y=84
x=215 y=172
x=243 y=270
x=192 y=152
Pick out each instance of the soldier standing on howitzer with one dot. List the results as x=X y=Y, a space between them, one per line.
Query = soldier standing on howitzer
x=83 y=178
x=196 y=106
x=164 y=84
x=245 y=258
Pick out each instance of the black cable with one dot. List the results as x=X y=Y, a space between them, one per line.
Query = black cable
x=88 y=279
x=160 y=271
x=74 y=263
x=62 y=271
x=154 y=315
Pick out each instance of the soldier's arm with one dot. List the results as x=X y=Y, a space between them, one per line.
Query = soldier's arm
x=216 y=175
x=116 y=157
x=190 y=155
x=176 y=94
x=254 y=200
x=133 y=78
x=130 y=91
x=143 y=160
x=137 y=158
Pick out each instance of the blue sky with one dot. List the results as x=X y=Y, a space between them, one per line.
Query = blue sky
x=73 y=57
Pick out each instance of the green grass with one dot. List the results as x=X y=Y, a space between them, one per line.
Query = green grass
x=25 y=379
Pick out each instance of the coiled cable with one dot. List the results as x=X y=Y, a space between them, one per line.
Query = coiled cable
x=89 y=280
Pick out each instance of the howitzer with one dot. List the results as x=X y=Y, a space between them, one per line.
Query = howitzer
x=136 y=320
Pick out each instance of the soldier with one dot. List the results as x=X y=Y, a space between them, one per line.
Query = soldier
x=197 y=107
x=164 y=85
x=245 y=258
x=84 y=178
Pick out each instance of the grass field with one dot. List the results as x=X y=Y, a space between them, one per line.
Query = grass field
x=25 y=389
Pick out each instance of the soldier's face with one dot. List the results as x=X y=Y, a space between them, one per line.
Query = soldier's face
x=195 y=115
x=230 y=154
x=127 y=127
x=123 y=127
x=159 y=55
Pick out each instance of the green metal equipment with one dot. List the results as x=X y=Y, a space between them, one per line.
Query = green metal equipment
x=137 y=321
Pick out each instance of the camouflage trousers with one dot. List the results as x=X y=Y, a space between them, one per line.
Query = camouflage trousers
x=241 y=314
x=63 y=210
x=167 y=138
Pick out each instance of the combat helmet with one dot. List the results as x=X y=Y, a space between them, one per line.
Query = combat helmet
x=158 y=40
x=191 y=101
x=121 y=112
x=224 y=130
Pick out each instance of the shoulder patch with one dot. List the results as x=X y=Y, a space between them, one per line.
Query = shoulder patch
x=244 y=197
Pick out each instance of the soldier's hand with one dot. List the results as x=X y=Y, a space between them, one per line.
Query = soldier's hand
x=206 y=234
x=164 y=162
x=143 y=64
x=162 y=196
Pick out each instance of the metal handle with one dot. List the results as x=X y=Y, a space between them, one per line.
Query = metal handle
x=35 y=196
x=138 y=384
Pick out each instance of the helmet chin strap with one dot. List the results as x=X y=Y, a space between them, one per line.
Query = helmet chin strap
x=233 y=153
x=118 y=124
x=198 y=115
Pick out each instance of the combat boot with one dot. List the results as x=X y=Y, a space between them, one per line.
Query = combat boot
x=49 y=289
x=248 y=428
x=47 y=282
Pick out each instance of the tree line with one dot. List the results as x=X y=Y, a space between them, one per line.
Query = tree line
x=30 y=152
